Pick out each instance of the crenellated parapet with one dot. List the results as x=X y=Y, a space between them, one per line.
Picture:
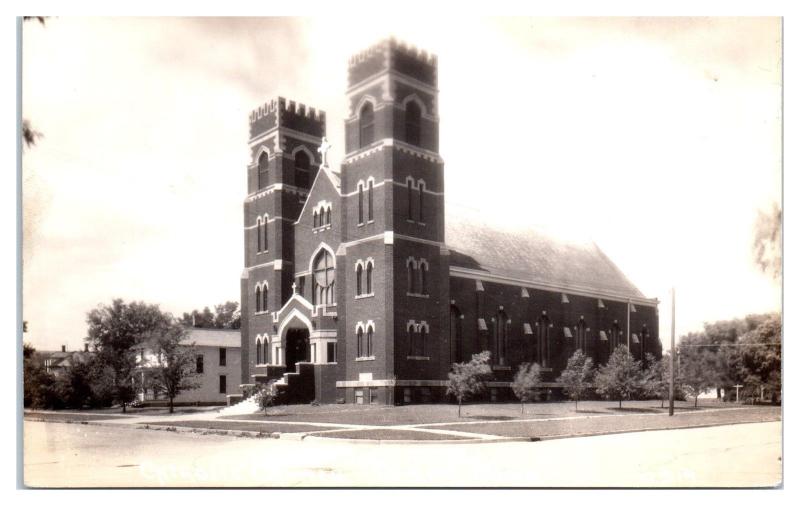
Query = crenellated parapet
x=394 y=55
x=287 y=113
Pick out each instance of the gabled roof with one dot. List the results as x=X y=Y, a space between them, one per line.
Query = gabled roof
x=215 y=337
x=534 y=256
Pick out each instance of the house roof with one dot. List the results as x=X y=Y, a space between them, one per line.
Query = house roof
x=534 y=256
x=215 y=337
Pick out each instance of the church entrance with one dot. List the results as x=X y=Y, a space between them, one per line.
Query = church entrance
x=297 y=348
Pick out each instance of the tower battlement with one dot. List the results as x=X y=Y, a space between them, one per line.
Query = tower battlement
x=395 y=55
x=283 y=112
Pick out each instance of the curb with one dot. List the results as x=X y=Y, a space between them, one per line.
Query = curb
x=334 y=440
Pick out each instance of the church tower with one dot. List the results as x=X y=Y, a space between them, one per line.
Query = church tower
x=284 y=139
x=396 y=288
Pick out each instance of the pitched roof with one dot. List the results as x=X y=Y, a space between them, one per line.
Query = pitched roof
x=534 y=256
x=215 y=337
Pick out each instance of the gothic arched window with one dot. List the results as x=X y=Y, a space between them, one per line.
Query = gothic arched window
x=413 y=121
x=359 y=274
x=265 y=226
x=423 y=278
x=369 y=277
x=301 y=169
x=421 y=202
x=410 y=267
x=328 y=216
x=370 y=332
x=543 y=341
x=258 y=299
x=263 y=171
x=360 y=203
x=323 y=279
x=366 y=125
x=360 y=341
x=410 y=200
x=369 y=203
x=258 y=234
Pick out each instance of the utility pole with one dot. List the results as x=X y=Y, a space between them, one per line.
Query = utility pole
x=628 y=325
x=672 y=359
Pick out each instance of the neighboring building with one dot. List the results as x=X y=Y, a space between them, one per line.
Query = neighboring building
x=217 y=366
x=58 y=363
x=358 y=286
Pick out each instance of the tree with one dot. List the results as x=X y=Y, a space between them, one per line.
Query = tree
x=175 y=361
x=526 y=381
x=115 y=331
x=656 y=378
x=265 y=396
x=468 y=378
x=38 y=385
x=697 y=371
x=224 y=316
x=760 y=356
x=577 y=376
x=621 y=377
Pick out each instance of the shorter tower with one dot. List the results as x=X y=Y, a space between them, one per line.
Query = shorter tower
x=284 y=161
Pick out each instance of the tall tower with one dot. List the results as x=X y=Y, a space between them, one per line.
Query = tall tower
x=284 y=138
x=393 y=187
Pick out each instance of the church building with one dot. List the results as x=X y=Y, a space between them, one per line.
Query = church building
x=359 y=286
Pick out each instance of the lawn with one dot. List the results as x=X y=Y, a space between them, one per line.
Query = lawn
x=443 y=413
x=389 y=435
x=265 y=428
x=66 y=416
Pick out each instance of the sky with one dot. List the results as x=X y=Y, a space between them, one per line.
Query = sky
x=659 y=139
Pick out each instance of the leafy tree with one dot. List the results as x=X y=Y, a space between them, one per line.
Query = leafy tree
x=656 y=378
x=224 y=316
x=468 y=378
x=175 y=361
x=115 y=331
x=577 y=376
x=697 y=371
x=38 y=387
x=265 y=396
x=621 y=377
x=526 y=382
x=760 y=356
x=75 y=386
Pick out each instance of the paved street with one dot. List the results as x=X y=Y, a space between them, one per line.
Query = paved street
x=64 y=455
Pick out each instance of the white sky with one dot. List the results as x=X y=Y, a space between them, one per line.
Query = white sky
x=658 y=138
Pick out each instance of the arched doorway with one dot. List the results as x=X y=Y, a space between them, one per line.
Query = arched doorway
x=297 y=347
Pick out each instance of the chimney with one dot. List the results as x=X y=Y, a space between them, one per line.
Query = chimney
x=86 y=347
x=63 y=348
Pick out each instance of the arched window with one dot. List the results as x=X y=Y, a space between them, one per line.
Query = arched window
x=316 y=219
x=581 y=342
x=543 y=341
x=366 y=125
x=501 y=336
x=258 y=352
x=360 y=203
x=455 y=335
x=359 y=273
x=413 y=123
x=258 y=234
x=369 y=277
x=323 y=279
x=370 y=332
x=263 y=171
x=421 y=202
x=423 y=278
x=266 y=233
x=423 y=333
x=360 y=341
x=328 y=216
x=258 y=299
x=301 y=169
x=264 y=292
x=410 y=200
x=410 y=266
x=411 y=335
x=370 y=216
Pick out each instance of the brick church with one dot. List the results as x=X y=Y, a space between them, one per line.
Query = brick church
x=358 y=285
